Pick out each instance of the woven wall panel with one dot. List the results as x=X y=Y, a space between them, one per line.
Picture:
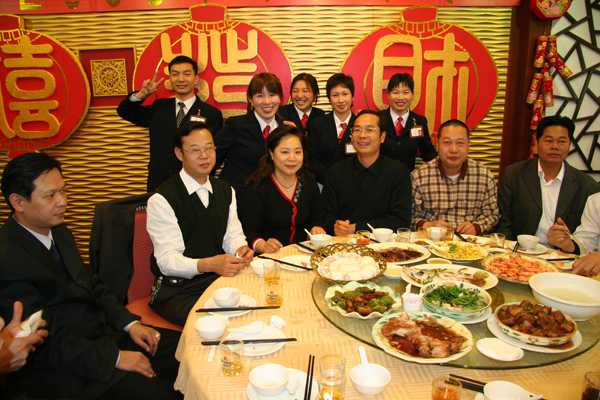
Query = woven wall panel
x=106 y=158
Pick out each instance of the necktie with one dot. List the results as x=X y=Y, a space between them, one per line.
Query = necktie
x=56 y=254
x=304 y=119
x=266 y=132
x=399 y=126
x=180 y=113
x=341 y=135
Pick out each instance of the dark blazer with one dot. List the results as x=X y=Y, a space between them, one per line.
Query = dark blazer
x=289 y=113
x=520 y=198
x=78 y=358
x=160 y=117
x=324 y=150
x=240 y=144
x=404 y=148
x=111 y=242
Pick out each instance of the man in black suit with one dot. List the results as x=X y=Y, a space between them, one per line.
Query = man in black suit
x=95 y=348
x=537 y=193
x=406 y=131
x=165 y=115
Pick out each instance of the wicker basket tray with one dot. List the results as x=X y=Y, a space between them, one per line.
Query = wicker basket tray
x=325 y=251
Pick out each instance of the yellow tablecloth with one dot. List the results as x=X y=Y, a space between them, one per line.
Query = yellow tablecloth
x=199 y=379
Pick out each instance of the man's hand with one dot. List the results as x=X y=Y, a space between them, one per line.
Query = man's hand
x=224 y=264
x=270 y=246
x=437 y=223
x=466 y=228
x=148 y=87
x=14 y=352
x=343 y=228
x=145 y=337
x=588 y=265
x=246 y=253
x=558 y=235
x=317 y=230
x=134 y=361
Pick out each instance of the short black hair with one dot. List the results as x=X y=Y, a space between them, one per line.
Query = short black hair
x=339 y=80
x=555 y=120
x=186 y=128
x=380 y=120
x=310 y=80
x=398 y=79
x=20 y=172
x=455 y=123
x=184 y=60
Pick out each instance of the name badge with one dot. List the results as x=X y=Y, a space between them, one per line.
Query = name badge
x=416 y=132
x=350 y=149
x=198 y=118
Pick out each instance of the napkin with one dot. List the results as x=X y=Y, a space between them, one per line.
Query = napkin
x=277 y=322
x=30 y=325
x=499 y=350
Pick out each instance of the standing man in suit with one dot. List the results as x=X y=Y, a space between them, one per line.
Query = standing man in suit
x=304 y=93
x=95 y=348
x=537 y=193
x=165 y=115
x=406 y=131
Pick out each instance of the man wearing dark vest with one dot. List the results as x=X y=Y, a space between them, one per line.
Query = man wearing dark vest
x=193 y=223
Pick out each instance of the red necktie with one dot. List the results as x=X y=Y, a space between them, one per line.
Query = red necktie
x=341 y=135
x=399 y=126
x=266 y=132
x=304 y=119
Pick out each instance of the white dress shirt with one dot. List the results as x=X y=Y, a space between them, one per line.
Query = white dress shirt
x=301 y=113
x=339 y=122
x=167 y=237
x=588 y=232
x=273 y=124
x=395 y=117
x=550 y=194
x=188 y=103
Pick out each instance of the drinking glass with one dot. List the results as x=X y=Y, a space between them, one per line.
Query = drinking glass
x=446 y=388
x=272 y=271
x=332 y=377
x=274 y=293
x=591 y=386
x=497 y=240
x=232 y=357
x=448 y=235
x=363 y=238
x=403 y=235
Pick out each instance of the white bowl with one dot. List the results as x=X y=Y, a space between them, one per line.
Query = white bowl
x=320 y=240
x=575 y=295
x=258 y=266
x=381 y=372
x=528 y=241
x=501 y=390
x=382 y=234
x=211 y=327
x=227 y=297
x=269 y=380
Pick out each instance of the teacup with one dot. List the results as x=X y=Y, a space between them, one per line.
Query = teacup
x=528 y=241
x=502 y=390
x=269 y=380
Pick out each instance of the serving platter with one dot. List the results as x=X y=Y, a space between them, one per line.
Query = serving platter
x=457 y=327
x=490 y=281
x=486 y=263
x=353 y=285
x=404 y=246
x=482 y=253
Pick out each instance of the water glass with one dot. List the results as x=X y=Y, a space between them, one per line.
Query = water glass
x=232 y=356
x=497 y=240
x=403 y=235
x=332 y=377
x=272 y=271
x=274 y=293
x=363 y=238
x=446 y=388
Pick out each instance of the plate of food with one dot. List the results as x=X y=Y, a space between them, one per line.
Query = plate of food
x=424 y=274
x=516 y=268
x=460 y=251
x=456 y=300
x=362 y=300
x=423 y=338
x=480 y=240
x=401 y=253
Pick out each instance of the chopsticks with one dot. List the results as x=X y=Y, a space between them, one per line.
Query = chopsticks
x=309 y=377
x=472 y=384
x=305 y=247
x=274 y=340
x=460 y=237
x=284 y=262
x=560 y=259
x=514 y=250
x=214 y=309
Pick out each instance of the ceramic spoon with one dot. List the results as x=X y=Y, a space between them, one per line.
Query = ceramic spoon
x=308 y=233
x=367 y=378
x=435 y=246
x=254 y=327
x=372 y=229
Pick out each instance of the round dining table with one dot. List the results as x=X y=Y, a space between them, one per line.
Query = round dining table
x=200 y=374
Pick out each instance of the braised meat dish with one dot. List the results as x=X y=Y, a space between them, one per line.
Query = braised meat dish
x=427 y=338
x=396 y=254
x=535 y=319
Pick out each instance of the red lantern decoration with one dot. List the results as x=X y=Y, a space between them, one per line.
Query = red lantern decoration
x=455 y=75
x=549 y=9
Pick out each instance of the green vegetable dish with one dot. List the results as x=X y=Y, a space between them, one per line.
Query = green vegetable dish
x=363 y=300
x=455 y=298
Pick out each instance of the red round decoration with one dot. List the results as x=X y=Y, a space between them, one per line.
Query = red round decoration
x=223 y=80
x=44 y=93
x=549 y=9
x=419 y=39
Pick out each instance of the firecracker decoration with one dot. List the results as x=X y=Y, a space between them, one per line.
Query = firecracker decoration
x=548 y=91
x=549 y=9
x=540 y=51
x=534 y=89
x=552 y=47
x=559 y=65
x=546 y=69
x=539 y=112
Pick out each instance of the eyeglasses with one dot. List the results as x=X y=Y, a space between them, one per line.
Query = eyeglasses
x=210 y=151
x=357 y=130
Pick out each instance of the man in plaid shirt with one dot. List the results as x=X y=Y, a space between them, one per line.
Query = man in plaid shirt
x=453 y=191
